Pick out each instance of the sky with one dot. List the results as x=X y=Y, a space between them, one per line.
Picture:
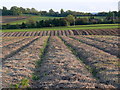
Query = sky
x=56 y=5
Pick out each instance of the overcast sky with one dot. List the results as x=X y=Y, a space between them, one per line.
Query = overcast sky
x=76 y=5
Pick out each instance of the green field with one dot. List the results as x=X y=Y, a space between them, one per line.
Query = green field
x=97 y=17
x=77 y=27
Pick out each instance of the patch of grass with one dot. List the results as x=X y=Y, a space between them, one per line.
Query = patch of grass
x=43 y=50
x=92 y=70
x=42 y=54
x=45 y=74
x=97 y=17
x=77 y=27
x=24 y=83
x=35 y=77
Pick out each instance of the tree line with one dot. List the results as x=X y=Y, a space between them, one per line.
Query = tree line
x=66 y=21
x=62 y=13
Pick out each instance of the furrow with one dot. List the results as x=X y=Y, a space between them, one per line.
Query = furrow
x=109 y=48
x=15 y=40
x=61 y=69
x=16 y=47
x=114 y=40
x=22 y=65
x=104 y=66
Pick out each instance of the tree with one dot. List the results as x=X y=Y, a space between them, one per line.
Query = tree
x=33 y=11
x=4 y=8
x=51 y=12
x=22 y=10
x=61 y=11
x=70 y=19
x=27 y=10
x=43 y=13
x=4 y=11
x=23 y=25
x=31 y=23
x=15 y=10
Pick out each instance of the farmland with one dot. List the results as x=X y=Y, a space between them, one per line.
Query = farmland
x=9 y=19
x=24 y=18
x=48 y=49
x=43 y=60
x=77 y=27
x=60 y=32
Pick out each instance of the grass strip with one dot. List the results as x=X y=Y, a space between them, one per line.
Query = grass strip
x=41 y=55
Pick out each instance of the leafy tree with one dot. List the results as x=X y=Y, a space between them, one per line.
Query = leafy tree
x=27 y=10
x=70 y=19
x=33 y=11
x=31 y=23
x=44 y=13
x=23 y=25
x=22 y=10
x=15 y=10
x=82 y=21
x=51 y=12
x=4 y=8
x=61 y=11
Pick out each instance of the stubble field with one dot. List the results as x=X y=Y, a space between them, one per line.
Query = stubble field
x=65 y=61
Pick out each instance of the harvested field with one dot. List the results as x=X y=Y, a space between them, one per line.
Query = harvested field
x=104 y=66
x=67 y=61
x=109 y=48
x=7 y=41
x=110 y=40
x=8 y=19
x=22 y=64
x=63 y=32
x=12 y=48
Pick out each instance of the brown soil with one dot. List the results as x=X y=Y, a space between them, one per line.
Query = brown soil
x=64 y=33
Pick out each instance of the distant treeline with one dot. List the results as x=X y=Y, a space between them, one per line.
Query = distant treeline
x=67 y=21
x=20 y=10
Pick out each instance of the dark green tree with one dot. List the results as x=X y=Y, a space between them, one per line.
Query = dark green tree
x=23 y=25
x=70 y=19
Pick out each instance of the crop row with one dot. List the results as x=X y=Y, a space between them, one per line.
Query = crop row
x=110 y=48
x=11 y=49
x=56 y=69
x=20 y=67
x=63 y=32
x=103 y=65
x=106 y=39
x=58 y=63
x=8 y=42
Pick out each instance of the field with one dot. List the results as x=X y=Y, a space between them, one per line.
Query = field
x=63 y=32
x=96 y=17
x=67 y=60
x=24 y=18
x=81 y=56
x=9 y=19
x=77 y=27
